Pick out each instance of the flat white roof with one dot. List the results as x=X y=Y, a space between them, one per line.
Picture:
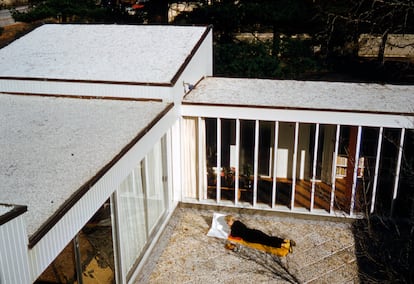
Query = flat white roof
x=312 y=95
x=50 y=146
x=119 y=53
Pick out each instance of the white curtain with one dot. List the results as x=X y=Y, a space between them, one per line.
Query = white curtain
x=131 y=216
x=189 y=157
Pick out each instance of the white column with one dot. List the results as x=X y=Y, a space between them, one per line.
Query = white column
x=377 y=163
x=276 y=145
x=237 y=169
x=218 y=189
x=315 y=158
x=256 y=161
x=397 y=171
x=295 y=155
x=335 y=157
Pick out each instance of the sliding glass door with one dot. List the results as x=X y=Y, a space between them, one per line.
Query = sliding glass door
x=141 y=206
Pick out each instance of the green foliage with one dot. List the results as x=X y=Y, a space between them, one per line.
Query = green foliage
x=281 y=16
x=81 y=9
x=255 y=60
x=385 y=250
x=241 y=59
x=224 y=16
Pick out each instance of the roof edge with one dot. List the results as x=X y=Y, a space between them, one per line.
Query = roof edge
x=150 y=84
x=68 y=96
x=16 y=211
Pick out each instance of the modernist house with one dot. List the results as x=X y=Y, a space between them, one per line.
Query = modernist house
x=105 y=129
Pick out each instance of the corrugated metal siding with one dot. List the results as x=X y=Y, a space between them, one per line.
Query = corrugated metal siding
x=46 y=250
x=14 y=266
x=84 y=89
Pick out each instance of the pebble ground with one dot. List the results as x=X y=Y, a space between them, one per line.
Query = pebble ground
x=185 y=254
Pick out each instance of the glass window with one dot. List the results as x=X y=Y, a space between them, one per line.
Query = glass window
x=387 y=170
x=286 y=142
x=211 y=156
x=228 y=158
x=91 y=251
x=265 y=162
x=132 y=218
x=156 y=185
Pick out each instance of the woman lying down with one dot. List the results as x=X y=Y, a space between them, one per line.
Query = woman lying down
x=241 y=234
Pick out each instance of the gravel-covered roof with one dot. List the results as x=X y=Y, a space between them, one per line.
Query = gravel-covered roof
x=359 y=97
x=52 y=146
x=120 y=53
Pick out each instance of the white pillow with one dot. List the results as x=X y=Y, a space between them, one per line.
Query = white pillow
x=219 y=228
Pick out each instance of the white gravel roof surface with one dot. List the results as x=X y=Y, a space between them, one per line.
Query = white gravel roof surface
x=125 y=53
x=304 y=95
x=51 y=146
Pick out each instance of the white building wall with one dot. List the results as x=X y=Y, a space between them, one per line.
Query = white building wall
x=14 y=262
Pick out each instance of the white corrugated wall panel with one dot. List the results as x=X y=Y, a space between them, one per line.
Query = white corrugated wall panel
x=14 y=266
x=46 y=250
x=85 y=89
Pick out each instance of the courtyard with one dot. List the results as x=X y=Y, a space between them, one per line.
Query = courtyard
x=185 y=254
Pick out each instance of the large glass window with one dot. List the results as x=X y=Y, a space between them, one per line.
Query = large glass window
x=246 y=160
x=404 y=206
x=211 y=156
x=265 y=162
x=387 y=170
x=89 y=257
x=367 y=168
x=155 y=172
x=322 y=165
x=315 y=166
x=284 y=163
x=141 y=206
x=305 y=146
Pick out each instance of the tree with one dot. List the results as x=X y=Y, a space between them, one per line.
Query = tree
x=66 y=10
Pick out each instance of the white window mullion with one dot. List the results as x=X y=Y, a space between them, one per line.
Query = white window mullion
x=335 y=157
x=295 y=154
x=276 y=145
x=218 y=171
x=315 y=157
x=236 y=170
x=355 y=175
x=397 y=171
x=256 y=162
x=377 y=163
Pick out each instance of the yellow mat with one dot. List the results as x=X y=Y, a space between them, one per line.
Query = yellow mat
x=282 y=251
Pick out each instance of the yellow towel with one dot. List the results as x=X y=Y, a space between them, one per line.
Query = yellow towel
x=282 y=251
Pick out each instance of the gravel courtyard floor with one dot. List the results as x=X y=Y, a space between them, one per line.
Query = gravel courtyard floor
x=185 y=254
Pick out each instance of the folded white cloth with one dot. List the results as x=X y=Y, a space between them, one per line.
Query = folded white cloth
x=219 y=228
